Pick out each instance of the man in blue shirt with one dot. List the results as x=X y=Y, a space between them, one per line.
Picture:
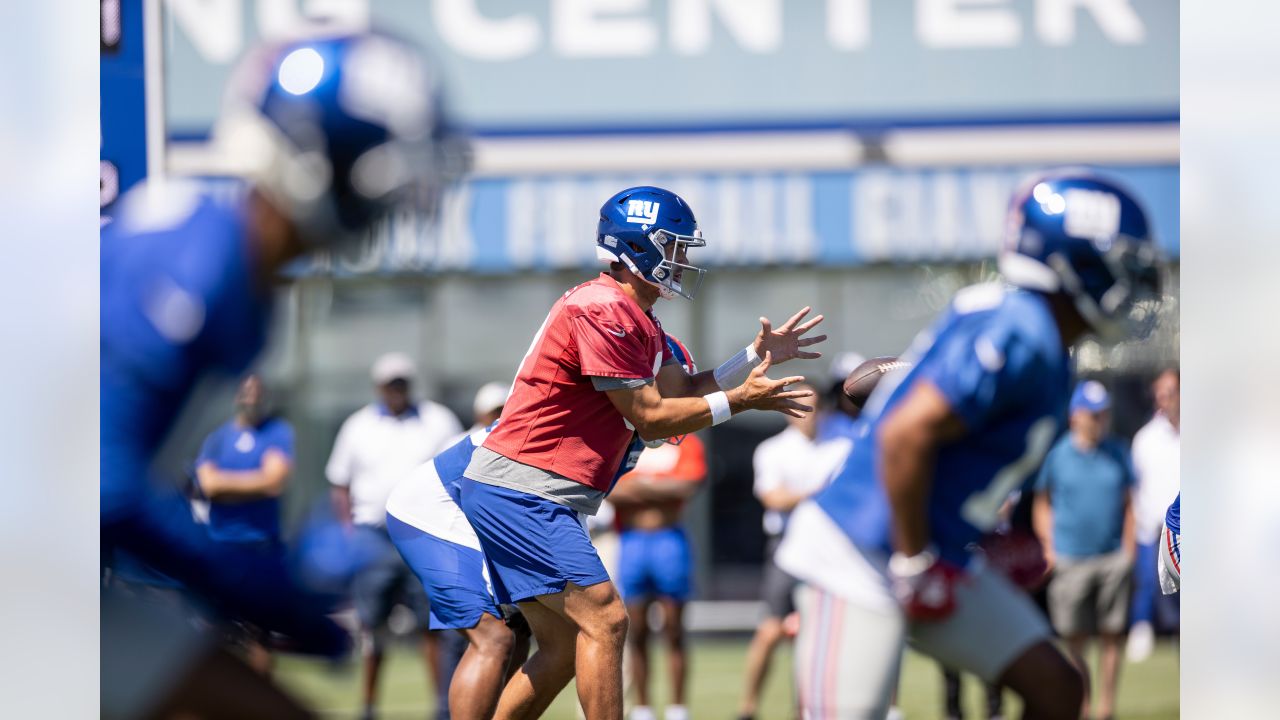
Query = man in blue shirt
x=186 y=282
x=888 y=551
x=1084 y=517
x=242 y=470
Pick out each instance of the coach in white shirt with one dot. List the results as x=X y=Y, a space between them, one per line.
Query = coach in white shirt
x=1156 y=455
x=377 y=446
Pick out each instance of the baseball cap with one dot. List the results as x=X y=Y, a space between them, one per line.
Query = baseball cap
x=393 y=366
x=489 y=397
x=1092 y=396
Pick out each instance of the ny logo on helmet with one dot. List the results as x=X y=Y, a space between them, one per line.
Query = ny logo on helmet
x=642 y=211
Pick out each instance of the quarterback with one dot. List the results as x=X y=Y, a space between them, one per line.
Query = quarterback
x=598 y=372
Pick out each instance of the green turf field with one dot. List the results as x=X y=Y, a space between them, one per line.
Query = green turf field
x=1147 y=691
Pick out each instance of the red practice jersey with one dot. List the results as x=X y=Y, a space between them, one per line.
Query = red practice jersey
x=555 y=419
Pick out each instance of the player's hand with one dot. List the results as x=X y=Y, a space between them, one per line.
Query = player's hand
x=924 y=586
x=760 y=392
x=787 y=341
x=1020 y=556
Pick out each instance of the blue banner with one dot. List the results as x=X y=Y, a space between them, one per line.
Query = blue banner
x=833 y=219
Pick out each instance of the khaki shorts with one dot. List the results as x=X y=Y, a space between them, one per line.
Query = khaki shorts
x=1090 y=596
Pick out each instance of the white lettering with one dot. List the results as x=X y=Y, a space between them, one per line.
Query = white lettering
x=756 y=25
x=213 y=26
x=966 y=23
x=848 y=24
x=473 y=35
x=581 y=28
x=278 y=19
x=1056 y=20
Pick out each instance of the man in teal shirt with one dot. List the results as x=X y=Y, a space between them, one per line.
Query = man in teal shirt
x=1084 y=518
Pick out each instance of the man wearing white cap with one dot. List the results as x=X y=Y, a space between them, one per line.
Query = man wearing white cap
x=379 y=444
x=487 y=406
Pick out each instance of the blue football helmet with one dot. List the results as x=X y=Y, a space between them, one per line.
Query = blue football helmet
x=338 y=130
x=649 y=230
x=1075 y=233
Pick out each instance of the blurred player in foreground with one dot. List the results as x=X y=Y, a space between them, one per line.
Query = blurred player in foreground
x=597 y=373
x=885 y=549
x=655 y=562
x=338 y=130
x=242 y=470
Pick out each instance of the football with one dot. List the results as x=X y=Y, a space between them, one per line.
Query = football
x=863 y=379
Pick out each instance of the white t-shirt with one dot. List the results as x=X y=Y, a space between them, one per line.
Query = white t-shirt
x=375 y=450
x=1156 y=457
x=793 y=462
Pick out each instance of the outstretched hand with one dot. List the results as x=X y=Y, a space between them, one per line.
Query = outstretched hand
x=787 y=341
x=760 y=392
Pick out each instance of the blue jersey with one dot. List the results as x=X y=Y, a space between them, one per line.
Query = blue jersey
x=177 y=300
x=234 y=447
x=997 y=357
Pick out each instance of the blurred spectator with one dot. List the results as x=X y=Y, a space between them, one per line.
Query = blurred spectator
x=242 y=470
x=655 y=561
x=488 y=404
x=1085 y=520
x=789 y=467
x=1156 y=456
x=377 y=446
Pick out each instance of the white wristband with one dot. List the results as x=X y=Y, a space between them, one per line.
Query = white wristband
x=719 y=404
x=733 y=371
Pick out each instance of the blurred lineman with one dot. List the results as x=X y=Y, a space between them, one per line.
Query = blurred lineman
x=242 y=470
x=884 y=550
x=789 y=468
x=1156 y=455
x=378 y=445
x=597 y=373
x=186 y=287
x=1084 y=518
x=655 y=561
x=436 y=541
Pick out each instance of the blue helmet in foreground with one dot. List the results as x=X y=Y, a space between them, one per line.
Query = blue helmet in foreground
x=338 y=130
x=649 y=230
x=1074 y=233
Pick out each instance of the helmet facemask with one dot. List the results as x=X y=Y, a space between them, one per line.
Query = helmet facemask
x=1129 y=308
x=671 y=274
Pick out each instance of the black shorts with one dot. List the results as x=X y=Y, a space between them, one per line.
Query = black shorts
x=778 y=586
x=385 y=582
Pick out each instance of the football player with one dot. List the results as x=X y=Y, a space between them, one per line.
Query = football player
x=597 y=372
x=885 y=549
x=1170 y=567
x=339 y=130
